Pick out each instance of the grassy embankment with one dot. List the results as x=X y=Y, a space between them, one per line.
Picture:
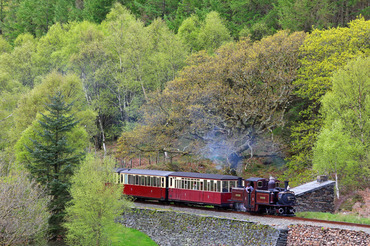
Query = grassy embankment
x=134 y=237
x=350 y=218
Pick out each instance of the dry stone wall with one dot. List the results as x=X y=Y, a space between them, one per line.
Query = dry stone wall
x=317 y=200
x=176 y=228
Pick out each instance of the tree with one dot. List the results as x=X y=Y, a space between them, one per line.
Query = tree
x=342 y=148
x=189 y=32
x=34 y=101
x=21 y=62
x=298 y=15
x=93 y=184
x=142 y=60
x=96 y=10
x=53 y=160
x=323 y=52
x=220 y=105
x=23 y=209
x=207 y=35
x=213 y=33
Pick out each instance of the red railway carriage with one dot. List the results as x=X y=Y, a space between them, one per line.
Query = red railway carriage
x=146 y=184
x=200 y=188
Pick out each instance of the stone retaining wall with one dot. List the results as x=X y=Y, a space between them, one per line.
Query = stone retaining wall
x=317 y=200
x=177 y=228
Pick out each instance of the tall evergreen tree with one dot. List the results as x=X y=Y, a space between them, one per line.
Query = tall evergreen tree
x=53 y=159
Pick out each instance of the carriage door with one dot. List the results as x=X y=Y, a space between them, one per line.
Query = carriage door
x=253 y=194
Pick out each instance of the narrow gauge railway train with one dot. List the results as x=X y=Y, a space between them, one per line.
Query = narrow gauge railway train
x=223 y=191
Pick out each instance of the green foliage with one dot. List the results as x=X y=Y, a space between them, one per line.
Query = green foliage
x=207 y=35
x=53 y=160
x=31 y=103
x=4 y=45
x=96 y=10
x=350 y=218
x=189 y=32
x=213 y=33
x=299 y=15
x=20 y=64
x=94 y=184
x=342 y=147
x=257 y=31
x=323 y=52
x=141 y=61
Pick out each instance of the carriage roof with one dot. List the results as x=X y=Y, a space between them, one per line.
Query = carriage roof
x=204 y=176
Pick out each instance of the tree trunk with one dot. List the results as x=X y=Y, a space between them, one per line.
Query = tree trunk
x=337 y=185
x=103 y=135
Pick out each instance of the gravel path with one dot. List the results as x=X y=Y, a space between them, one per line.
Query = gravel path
x=277 y=223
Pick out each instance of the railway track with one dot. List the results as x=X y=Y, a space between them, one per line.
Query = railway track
x=253 y=215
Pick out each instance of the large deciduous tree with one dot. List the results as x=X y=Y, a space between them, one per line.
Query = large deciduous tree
x=53 y=160
x=342 y=147
x=221 y=104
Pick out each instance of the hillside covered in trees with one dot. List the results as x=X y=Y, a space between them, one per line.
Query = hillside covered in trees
x=250 y=87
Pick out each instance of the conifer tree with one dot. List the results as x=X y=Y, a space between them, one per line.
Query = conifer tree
x=53 y=159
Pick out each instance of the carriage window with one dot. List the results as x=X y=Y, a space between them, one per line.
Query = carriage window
x=163 y=183
x=136 y=179
x=225 y=186
x=211 y=184
x=142 y=180
x=121 y=179
x=218 y=186
x=194 y=184
x=259 y=184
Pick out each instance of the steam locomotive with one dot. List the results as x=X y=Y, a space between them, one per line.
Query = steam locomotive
x=224 y=191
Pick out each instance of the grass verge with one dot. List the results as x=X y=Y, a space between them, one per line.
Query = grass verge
x=132 y=237
x=350 y=218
